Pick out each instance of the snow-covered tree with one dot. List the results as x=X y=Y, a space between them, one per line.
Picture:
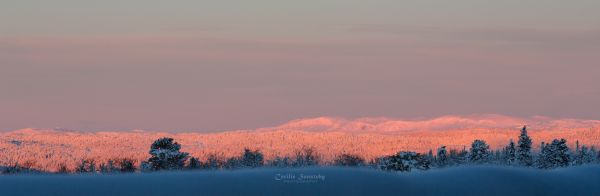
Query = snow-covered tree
x=194 y=163
x=458 y=157
x=442 y=157
x=430 y=156
x=108 y=167
x=524 y=157
x=165 y=155
x=280 y=162
x=103 y=168
x=86 y=166
x=111 y=166
x=349 y=160
x=307 y=156
x=213 y=162
x=126 y=165
x=510 y=153
x=15 y=168
x=595 y=155
x=583 y=156
x=403 y=161
x=542 y=161
x=252 y=159
x=145 y=166
x=232 y=163
x=480 y=152
x=555 y=154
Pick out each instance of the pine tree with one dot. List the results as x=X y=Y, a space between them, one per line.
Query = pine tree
x=86 y=166
x=281 y=162
x=562 y=152
x=543 y=158
x=145 y=166
x=587 y=155
x=392 y=163
x=479 y=152
x=403 y=162
x=458 y=157
x=165 y=155
x=442 y=157
x=194 y=163
x=252 y=159
x=595 y=156
x=430 y=158
x=524 y=157
x=103 y=168
x=307 y=156
x=555 y=154
x=232 y=163
x=126 y=165
x=583 y=156
x=510 y=153
x=349 y=160
x=213 y=162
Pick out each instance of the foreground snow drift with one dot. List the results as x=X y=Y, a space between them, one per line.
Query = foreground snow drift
x=313 y=181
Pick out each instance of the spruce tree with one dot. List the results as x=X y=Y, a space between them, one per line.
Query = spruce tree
x=542 y=161
x=404 y=162
x=510 y=153
x=594 y=155
x=281 y=162
x=251 y=158
x=480 y=152
x=524 y=157
x=583 y=156
x=194 y=163
x=442 y=157
x=349 y=160
x=555 y=154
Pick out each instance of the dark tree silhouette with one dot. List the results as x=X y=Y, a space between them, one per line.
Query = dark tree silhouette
x=480 y=152
x=86 y=166
x=510 y=155
x=194 y=163
x=252 y=159
x=349 y=160
x=553 y=155
x=307 y=156
x=403 y=161
x=126 y=165
x=442 y=157
x=165 y=155
x=524 y=157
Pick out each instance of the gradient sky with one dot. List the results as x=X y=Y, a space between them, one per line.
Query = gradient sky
x=219 y=65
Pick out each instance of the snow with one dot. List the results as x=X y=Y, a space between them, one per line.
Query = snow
x=477 y=180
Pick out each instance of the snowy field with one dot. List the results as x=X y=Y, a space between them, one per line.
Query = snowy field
x=316 y=181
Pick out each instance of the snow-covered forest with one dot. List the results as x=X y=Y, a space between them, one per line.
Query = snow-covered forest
x=166 y=154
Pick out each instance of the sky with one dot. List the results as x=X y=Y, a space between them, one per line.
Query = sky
x=221 y=65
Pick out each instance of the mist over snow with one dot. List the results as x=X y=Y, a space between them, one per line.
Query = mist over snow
x=480 y=180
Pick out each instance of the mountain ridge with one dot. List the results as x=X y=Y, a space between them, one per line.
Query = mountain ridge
x=391 y=125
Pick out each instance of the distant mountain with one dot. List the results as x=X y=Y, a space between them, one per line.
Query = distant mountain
x=386 y=125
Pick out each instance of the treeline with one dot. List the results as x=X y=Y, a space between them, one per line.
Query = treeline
x=165 y=154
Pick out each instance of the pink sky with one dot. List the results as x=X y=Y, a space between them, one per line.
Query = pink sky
x=221 y=66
